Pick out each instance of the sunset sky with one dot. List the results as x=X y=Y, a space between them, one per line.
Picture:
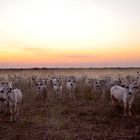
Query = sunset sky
x=69 y=33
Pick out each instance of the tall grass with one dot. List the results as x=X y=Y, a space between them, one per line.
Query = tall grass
x=86 y=118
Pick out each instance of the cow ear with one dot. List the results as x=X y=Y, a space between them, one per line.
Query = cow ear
x=135 y=83
x=126 y=87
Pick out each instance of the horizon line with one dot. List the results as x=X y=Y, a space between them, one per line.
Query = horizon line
x=39 y=68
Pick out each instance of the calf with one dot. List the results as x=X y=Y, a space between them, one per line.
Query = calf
x=89 y=83
x=71 y=88
x=14 y=100
x=3 y=99
x=57 y=87
x=42 y=91
x=100 y=85
x=125 y=94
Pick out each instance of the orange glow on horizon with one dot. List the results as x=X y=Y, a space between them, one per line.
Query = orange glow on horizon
x=38 y=56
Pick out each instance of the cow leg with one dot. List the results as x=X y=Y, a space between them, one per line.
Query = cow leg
x=129 y=107
x=73 y=95
x=11 y=113
x=56 y=95
x=3 y=107
x=103 y=94
x=68 y=94
x=41 y=96
x=47 y=97
x=6 y=108
x=112 y=99
x=125 y=108
x=17 y=112
x=14 y=112
x=0 y=106
x=60 y=95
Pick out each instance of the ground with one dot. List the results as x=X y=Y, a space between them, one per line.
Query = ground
x=86 y=118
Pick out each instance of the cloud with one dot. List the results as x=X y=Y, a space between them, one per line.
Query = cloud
x=22 y=46
x=78 y=56
x=35 y=50
x=25 y=48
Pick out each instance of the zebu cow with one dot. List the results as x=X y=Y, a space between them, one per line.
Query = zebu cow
x=89 y=82
x=100 y=85
x=3 y=95
x=125 y=94
x=42 y=91
x=57 y=87
x=58 y=90
x=14 y=99
x=71 y=88
x=3 y=99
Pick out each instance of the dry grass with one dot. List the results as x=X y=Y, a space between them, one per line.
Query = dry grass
x=86 y=118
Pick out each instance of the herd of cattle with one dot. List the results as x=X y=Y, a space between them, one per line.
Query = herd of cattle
x=123 y=88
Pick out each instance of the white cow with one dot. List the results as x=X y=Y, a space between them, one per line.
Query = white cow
x=57 y=87
x=100 y=84
x=125 y=94
x=3 y=99
x=42 y=91
x=71 y=88
x=89 y=82
x=14 y=100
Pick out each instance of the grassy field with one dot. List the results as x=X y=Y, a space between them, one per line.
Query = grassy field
x=86 y=118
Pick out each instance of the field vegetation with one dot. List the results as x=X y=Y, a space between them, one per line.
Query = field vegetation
x=86 y=118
